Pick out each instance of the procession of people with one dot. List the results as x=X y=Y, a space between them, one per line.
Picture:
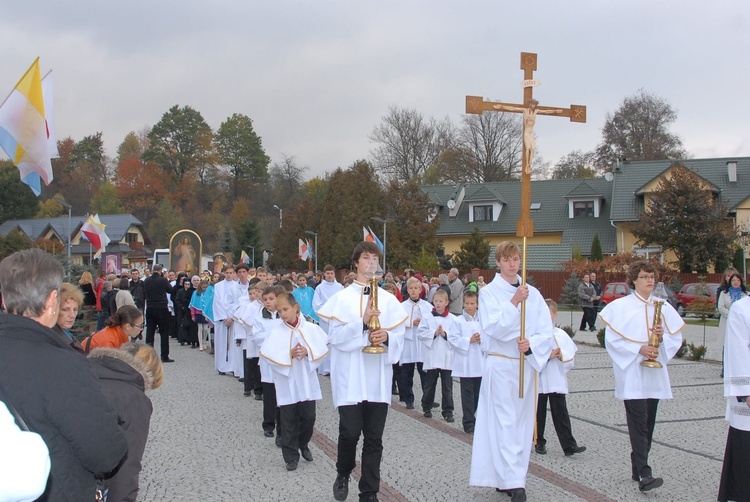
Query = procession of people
x=283 y=339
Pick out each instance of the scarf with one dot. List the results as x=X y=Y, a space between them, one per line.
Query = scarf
x=735 y=293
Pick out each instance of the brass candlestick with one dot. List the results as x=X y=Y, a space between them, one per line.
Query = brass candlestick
x=374 y=323
x=653 y=339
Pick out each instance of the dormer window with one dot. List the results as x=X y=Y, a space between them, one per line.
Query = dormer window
x=483 y=213
x=583 y=209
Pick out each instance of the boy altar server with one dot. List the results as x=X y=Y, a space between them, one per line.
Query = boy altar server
x=628 y=322
x=225 y=303
x=553 y=386
x=416 y=309
x=293 y=351
x=325 y=290
x=265 y=321
x=505 y=423
x=361 y=383
x=468 y=358
x=433 y=333
x=243 y=336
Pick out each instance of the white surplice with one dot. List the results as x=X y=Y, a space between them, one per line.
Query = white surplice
x=244 y=318
x=264 y=323
x=225 y=300
x=356 y=376
x=468 y=358
x=737 y=364
x=505 y=423
x=295 y=380
x=412 y=351
x=627 y=321
x=554 y=377
x=323 y=293
x=437 y=352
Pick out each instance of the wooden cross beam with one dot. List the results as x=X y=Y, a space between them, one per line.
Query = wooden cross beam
x=530 y=109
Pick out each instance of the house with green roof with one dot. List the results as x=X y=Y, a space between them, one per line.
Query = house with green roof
x=568 y=214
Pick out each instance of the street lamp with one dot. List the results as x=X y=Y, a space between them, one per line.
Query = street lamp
x=70 y=217
x=744 y=236
x=253 y=249
x=384 y=221
x=281 y=214
x=316 y=247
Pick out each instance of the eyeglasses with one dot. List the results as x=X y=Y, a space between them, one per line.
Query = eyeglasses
x=647 y=277
x=139 y=326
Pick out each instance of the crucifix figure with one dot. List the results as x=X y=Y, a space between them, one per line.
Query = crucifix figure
x=530 y=109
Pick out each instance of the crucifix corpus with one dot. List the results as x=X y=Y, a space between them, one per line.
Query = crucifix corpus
x=530 y=109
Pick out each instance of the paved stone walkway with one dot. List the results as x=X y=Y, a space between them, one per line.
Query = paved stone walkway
x=206 y=443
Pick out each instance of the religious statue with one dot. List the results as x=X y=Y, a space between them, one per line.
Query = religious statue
x=529 y=120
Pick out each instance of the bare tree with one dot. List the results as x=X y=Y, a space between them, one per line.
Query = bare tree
x=287 y=177
x=639 y=130
x=408 y=144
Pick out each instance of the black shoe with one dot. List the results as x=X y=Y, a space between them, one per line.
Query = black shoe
x=259 y=397
x=435 y=405
x=291 y=466
x=410 y=406
x=268 y=434
x=247 y=393
x=306 y=454
x=541 y=449
x=278 y=441
x=341 y=488
x=428 y=414
x=572 y=451
x=518 y=495
x=469 y=431
x=222 y=373
x=167 y=360
x=241 y=379
x=649 y=483
x=394 y=390
x=636 y=478
x=449 y=418
x=593 y=329
x=373 y=497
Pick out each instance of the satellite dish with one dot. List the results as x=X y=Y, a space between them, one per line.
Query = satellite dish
x=451 y=204
x=609 y=176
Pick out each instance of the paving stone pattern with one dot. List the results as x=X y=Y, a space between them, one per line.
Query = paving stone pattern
x=206 y=442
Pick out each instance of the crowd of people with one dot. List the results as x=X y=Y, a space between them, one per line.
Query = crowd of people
x=282 y=335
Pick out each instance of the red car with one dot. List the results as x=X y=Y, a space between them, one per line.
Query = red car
x=689 y=292
x=613 y=291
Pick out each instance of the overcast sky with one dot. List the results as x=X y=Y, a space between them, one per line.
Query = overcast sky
x=317 y=76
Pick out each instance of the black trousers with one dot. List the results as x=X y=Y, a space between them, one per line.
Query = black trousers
x=589 y=317
x=469 y=401
x=252 y=375
x=446 y=384
x=641 y=417
x=297 y=422
x=406 y=381
x=173 y=326
x=367 y=419
x=560 y=419
x=158 y=317
x=271 y=416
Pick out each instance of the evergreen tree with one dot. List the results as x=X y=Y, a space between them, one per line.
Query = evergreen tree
x=474 y=253
x=569 y=296
x=596 y=249
x=18 y=201
x=739 y=259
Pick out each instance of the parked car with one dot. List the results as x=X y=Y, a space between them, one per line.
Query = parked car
x=615 y=290
x=689 y=292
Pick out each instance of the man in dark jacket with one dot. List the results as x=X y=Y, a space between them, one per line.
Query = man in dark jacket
x=156 y=289
x=53 y=387
x=137 y=289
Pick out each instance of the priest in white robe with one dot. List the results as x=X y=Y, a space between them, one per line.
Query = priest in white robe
x=225 y=299
x=628 y=322
x=325 y=290
x=735 y=482
x=360 y=382
x=504 y=428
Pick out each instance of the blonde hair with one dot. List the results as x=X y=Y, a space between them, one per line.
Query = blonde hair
x=151 y=359
x=86 y=278
x=70 y=292
x=413 y=280
x=506 y=249
x=552 y=304
x=441 y=292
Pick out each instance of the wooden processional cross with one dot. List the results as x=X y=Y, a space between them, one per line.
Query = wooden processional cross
x=530 y=109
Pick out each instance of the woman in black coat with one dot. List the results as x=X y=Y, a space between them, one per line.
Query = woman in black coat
x=187 y=328
x=126 y=374
x=53 y=387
